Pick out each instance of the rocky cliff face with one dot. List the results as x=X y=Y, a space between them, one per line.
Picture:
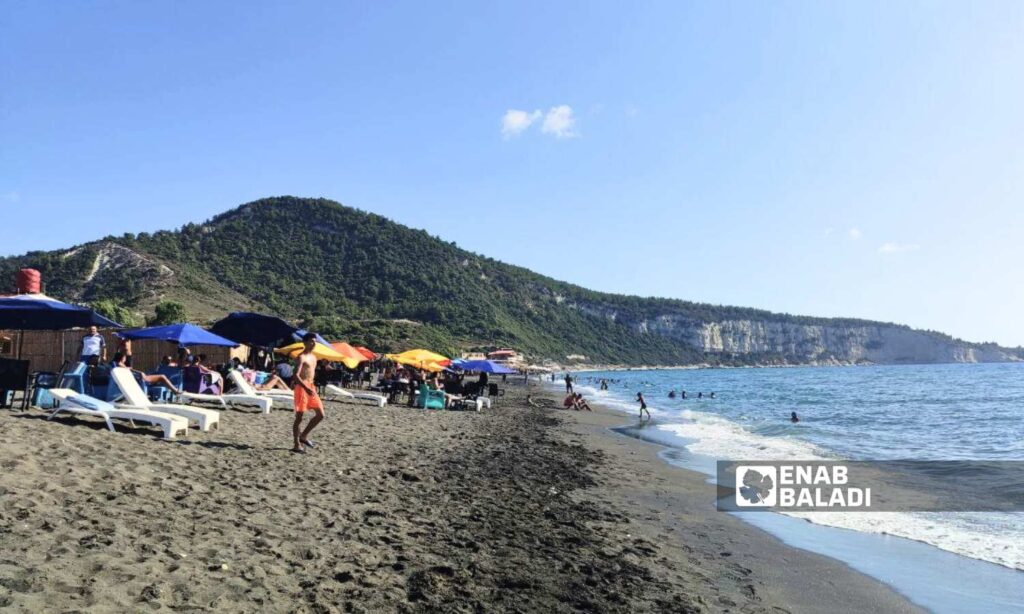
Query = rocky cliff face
x=782 y=342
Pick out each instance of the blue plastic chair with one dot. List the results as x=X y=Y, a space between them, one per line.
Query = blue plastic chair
x=430 y=399
x=158 y=393
x=74 y=379
x=41 y=384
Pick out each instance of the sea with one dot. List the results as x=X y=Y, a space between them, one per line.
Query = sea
x=906 y=412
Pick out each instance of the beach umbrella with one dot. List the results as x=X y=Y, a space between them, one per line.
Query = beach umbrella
x=40 y=312
x=352 y=356
x=253 y=329
x=182 y=334
x=320 y=350
x=370 y=355
x=301 y=332
x=420 y=358
x=485 y=366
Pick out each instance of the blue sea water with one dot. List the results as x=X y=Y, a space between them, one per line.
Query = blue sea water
x=925 y=412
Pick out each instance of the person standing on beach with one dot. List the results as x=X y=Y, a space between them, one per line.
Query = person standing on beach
x=568 y=384
x=305 y=396
x=94 y=348
x=643 y=406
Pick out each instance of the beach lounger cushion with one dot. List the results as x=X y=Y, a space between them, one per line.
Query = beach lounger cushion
x=135 y=398
x=75 y=402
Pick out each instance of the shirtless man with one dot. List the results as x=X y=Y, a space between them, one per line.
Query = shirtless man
x=305 y=397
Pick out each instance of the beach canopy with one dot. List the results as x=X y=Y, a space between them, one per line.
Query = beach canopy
x=352 y=356
x=253 y=329
x=182 y=334
x=370 y=354
x=301 y=332
x=423 y=359
x=320 y=350
x=485 y=366
x=40 y=312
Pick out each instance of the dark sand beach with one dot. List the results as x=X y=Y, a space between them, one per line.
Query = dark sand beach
x=511 y=509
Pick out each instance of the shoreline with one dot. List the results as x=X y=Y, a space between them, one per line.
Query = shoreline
x=512 y=509
x=679 y=506
x=913 y=568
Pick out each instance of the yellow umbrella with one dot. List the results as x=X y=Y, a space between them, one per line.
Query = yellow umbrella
x=420 y=358
x=320 y=350
x=352 y=356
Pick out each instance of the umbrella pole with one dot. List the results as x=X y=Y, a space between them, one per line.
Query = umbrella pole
x=21 y=342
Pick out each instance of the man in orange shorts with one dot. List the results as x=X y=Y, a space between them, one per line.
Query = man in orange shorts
x=306 y=398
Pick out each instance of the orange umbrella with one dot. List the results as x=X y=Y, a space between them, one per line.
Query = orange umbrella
x=352 y=356
x=370 y=355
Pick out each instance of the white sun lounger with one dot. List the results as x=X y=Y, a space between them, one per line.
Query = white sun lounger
x=135 y=398
x=281 y=396
x=264 y=403
x=75 y=403
x=340 y=392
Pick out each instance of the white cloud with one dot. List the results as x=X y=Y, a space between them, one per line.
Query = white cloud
x=560 y=122
x=515 y=121
x=855 y=233
x=893 y=248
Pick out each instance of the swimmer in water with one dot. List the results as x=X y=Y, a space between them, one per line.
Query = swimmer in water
x=793 y=418
x=672 y=394
x=700 y=395
x=712 y=395
x=683 y=395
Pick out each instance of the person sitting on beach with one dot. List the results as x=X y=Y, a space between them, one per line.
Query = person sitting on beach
x=569 y=402
x=581 y=404
x=793 y=418
x=273 y=383
x=284 y=370
x=643 y=406
x=120 y=360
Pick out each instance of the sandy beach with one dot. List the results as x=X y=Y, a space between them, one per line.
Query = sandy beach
x=512 y=509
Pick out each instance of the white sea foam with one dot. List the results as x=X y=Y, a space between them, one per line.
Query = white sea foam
x=993 y=537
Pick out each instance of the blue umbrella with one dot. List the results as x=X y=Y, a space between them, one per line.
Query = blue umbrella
x=300 y=332
x=485 y=366
x=40 y=312
x=182 y=334
x=253 y=329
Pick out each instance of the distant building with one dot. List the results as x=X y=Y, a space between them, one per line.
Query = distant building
x=576 y=357
x=474 y=356
x=508 y=357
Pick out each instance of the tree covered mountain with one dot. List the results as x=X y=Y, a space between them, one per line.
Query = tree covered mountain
x=359 y=276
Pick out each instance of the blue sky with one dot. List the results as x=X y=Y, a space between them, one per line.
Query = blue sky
x=837 y=159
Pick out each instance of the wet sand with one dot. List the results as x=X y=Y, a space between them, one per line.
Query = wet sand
x=511 y=509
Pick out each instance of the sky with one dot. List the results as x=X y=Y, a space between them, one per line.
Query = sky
x=860 y=159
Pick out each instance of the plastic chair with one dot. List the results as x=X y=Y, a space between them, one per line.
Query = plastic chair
x=75 y=378
x=40 y=396
x=430 y=399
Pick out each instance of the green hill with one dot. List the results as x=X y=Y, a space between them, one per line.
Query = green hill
x=359 y=276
